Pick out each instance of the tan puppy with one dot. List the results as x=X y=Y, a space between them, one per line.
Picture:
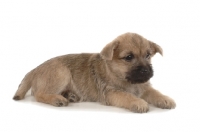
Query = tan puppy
x=118 y=76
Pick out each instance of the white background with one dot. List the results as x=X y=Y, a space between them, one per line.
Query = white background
x=34 y=31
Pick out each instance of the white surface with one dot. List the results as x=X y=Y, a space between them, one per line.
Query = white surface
x=34 y=31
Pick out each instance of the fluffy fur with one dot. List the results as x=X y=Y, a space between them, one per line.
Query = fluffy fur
x=117 y=76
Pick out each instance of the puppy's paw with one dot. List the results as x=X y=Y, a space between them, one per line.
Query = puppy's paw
x=73 y=98
x=165 y=102
x=59 y=101
x=139 y=106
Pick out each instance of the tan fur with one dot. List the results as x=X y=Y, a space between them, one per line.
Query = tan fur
x=99 y=77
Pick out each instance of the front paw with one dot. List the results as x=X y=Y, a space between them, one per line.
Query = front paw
x=139 y=106
x=164 y=102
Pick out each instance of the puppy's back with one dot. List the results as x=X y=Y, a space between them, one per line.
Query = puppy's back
x=56 y=68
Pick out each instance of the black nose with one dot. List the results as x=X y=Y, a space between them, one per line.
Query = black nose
x=142 y=69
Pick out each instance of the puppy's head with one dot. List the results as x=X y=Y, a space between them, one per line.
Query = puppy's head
x=129 y=57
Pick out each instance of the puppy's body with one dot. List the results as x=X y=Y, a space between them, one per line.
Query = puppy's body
x=117 y=76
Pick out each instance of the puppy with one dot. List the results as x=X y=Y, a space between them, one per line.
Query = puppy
x=117 y=76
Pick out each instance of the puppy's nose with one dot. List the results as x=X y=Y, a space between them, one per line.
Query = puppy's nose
x=142 y=69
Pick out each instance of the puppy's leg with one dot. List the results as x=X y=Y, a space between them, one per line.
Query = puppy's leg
x=154 y=97
x=53 y=99
x=50 y=80
x=51 y=93
x=126 y=100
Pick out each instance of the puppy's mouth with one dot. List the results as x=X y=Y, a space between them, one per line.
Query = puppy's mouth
x=140 y=74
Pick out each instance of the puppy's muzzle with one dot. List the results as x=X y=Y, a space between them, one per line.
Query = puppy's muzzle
x=142 y=70
x=140 y=74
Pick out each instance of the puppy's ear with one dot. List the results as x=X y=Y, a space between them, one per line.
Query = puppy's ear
x=108 y=50
x=155 y=48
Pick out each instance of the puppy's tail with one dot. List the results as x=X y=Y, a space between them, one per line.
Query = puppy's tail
x=24 y=86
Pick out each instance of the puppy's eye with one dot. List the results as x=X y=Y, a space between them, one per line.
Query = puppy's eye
x=148 y=55
x=129 y=57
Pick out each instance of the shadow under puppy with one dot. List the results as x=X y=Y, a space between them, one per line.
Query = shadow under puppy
x=117 y=76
